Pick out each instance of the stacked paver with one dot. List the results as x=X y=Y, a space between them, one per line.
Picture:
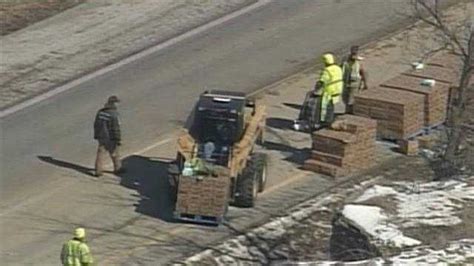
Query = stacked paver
x=399 y=114
x=348 y=147
x=447 y=74
x=446 y=60
x=205 y=196
x=453 y=66
x=435 y=97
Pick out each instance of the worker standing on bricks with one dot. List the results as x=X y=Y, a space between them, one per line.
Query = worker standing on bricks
x=75 y=252
x=355 y=78
x=330 y=85
x=107 y=133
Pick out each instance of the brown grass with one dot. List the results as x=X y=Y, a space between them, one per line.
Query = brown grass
x=17 y=14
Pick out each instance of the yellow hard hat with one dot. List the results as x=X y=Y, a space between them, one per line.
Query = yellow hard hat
x=328 y=59
x=80 y=233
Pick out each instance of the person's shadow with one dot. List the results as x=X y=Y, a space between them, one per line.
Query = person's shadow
x=294 y=155
x=79 y=168
x=147 y=176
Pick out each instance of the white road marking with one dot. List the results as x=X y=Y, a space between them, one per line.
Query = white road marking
x=42 y=196
x=132 y=58
x=159 y=143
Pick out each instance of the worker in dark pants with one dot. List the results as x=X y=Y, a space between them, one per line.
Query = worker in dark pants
x=107 y=133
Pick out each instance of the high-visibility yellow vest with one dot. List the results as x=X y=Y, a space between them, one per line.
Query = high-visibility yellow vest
x=331 y=77
x=75 y=253
x=351 y=73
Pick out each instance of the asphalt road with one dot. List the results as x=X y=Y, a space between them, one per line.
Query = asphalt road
x=40 y=201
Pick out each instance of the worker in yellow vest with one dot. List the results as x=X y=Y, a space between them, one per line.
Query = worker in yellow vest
x=75 y=251
x=330 y=85
x=355 y=78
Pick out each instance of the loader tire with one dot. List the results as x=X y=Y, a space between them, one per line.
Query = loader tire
x=260 y=161
x=247 y=186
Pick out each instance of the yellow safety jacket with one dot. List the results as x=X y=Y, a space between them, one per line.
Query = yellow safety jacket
x=331 y=77
x=75 y=253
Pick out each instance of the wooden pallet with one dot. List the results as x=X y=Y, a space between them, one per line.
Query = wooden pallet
x=201 y=219
x=413 y=136
x=429 y=129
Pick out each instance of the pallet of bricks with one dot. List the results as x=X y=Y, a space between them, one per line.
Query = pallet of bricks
x=435 y=97
x=349 y=146
x=203 y=196
x=445 y=69
x=404 y=108
x=399 y=114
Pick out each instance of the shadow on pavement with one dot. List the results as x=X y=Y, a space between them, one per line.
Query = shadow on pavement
x=293 y=105
x=295 y=155
x=149 y=177
x=79 y=168
x=280 y=123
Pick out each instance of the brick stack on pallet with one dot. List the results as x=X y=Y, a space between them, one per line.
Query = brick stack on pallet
x=446 y=60
x=399 y=114
x=346 y=148
x=453 y=65
x=206 y=196
x=440 y=74
x=436 y=97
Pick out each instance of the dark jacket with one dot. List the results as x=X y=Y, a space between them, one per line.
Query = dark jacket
x=107 y=125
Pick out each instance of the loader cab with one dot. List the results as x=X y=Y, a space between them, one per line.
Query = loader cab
x=219 y=123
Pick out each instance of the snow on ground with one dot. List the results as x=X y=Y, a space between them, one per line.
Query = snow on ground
x=418 y=205
x=373 y=221
x=432 y=203
x=251 y=247
x=458 y=252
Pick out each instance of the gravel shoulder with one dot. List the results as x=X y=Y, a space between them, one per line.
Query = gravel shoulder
x=91 y=35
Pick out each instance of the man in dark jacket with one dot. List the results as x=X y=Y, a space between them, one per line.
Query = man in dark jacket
x=107 y=134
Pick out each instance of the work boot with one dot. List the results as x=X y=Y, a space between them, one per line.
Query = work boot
x=120 y=171
x=97 y=174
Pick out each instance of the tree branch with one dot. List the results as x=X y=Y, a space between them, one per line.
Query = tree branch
x=437 y=23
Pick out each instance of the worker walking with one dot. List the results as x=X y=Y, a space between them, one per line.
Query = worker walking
x=107 y=133
x=75 y=252
x=329 y=86
x=355 y=78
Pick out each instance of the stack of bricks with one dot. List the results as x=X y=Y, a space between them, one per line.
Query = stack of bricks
x=205 y=196
x=446 y=60
x=448 y=75
x=346 y=148
x=399 y=114
x=452 y=64
x=435 y=98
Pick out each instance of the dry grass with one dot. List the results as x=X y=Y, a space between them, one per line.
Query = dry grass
x=17 y=14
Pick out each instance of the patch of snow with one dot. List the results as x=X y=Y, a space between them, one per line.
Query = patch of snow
x=237 y=250
x=458 y=252
x=432 y=203
x=376 y=191
x=416 y=203
x=373 y=221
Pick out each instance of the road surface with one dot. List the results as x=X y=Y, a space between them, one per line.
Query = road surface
x=47 y=148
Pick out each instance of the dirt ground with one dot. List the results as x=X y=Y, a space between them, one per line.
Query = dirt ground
x=17 y=14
